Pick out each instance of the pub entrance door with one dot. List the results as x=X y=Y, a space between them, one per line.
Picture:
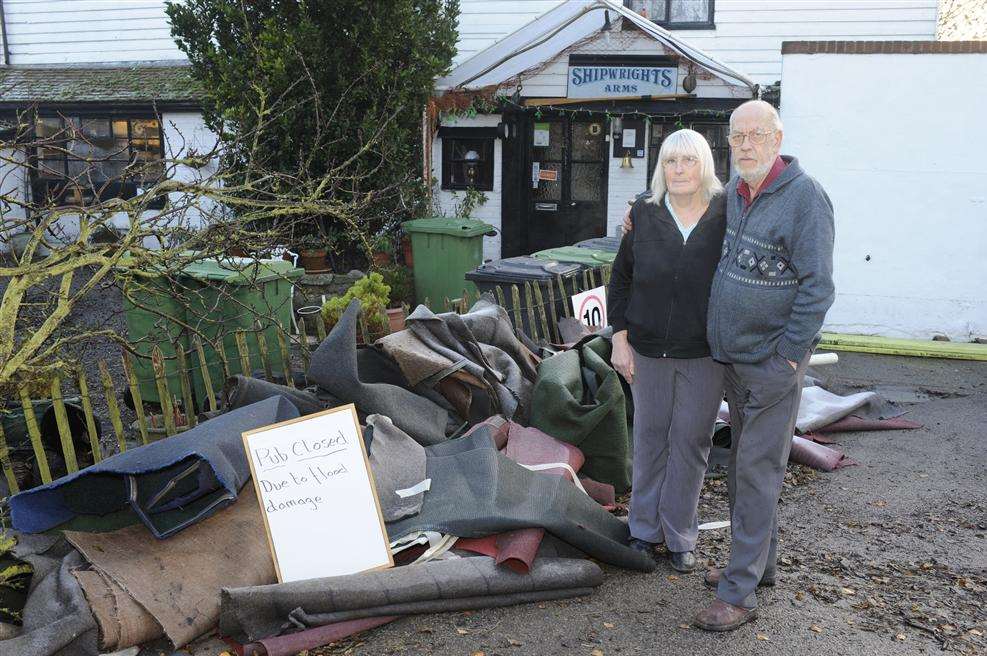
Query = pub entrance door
x=565 y=199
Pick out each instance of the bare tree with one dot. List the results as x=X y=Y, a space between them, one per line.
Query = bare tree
x=103 y=211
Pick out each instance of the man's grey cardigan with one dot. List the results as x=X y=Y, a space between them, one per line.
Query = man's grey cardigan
x=774 y=282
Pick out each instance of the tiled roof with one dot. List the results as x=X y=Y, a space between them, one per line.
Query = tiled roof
x=130 y=84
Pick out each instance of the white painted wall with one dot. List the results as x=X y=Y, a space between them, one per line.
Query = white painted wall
x=549 y=80
x=624 y=184
x=748 y=33
x=445 y=201
x=186 y=133
x=484 y=22
x=895 y=141
x=88 y=31
x=13 y=187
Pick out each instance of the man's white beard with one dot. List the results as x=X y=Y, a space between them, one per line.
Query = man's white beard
x=753 y=176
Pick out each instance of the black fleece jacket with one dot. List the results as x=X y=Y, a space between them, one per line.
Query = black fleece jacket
x=659 y=288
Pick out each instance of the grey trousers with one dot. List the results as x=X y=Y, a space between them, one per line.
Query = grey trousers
x=764 y=401
x=675 y=405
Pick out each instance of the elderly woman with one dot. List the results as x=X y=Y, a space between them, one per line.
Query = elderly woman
x=657 y=307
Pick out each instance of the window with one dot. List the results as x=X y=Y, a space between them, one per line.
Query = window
x=716 y=136
x=87 y=159
x=676 y=14
x=467 y=159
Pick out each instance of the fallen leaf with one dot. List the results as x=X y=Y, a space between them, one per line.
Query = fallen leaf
x=683 y=626
x=596 y=652
x=900 y=636
x=815 y=628
x=799 y=596
x=462 y=631
x=848 y=591
x=672 y=577
x=761 y=636
x=478 y=653
x=976 y=632
x=608 y=625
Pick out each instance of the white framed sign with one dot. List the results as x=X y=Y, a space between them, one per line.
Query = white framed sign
x=591 y=307
x=617 y=81
x=317 y=496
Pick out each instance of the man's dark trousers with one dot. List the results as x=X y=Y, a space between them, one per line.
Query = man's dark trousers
x=764 y=400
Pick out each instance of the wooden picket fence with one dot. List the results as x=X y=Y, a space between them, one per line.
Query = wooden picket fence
x=541 y=308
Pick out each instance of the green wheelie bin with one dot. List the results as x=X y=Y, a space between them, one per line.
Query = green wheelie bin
x=444 y=249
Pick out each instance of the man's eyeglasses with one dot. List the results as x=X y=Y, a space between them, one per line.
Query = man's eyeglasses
x=688 y=161
x=757 y=137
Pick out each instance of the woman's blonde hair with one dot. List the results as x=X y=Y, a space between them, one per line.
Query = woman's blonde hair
x=677 y=144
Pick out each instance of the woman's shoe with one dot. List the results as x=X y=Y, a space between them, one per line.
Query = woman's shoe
x=683 y=561
x=645 y=547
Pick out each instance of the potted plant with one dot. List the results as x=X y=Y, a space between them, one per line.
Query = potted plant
x=312 y=252
x=401 y=280
x=382 y=248
x=373 y=294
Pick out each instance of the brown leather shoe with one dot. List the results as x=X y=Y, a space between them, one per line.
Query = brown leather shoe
x=721 y=616
x=712 y=578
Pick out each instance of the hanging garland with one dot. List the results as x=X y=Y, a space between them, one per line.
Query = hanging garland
x=470 y=104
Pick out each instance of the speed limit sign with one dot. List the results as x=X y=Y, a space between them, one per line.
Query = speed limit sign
x=591 y=307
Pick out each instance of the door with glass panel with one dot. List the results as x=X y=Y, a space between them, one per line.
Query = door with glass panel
x=567 y=188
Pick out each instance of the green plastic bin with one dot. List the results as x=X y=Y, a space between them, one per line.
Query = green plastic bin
x=590 y=258
x=215 y=298
x=232 y=298
x=154 y=314
x=444 y=249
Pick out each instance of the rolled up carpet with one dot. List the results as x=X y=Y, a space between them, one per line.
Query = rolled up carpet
x=476 y=492
x=818 y=456
x=173 y=585
x=301 y=641
x=335 y=368
x=169 y=485
x=436 y=586
x=242 y=390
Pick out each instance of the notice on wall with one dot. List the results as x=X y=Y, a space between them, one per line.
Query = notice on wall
x=317 y=496
x=541 y=137
x=591 y=307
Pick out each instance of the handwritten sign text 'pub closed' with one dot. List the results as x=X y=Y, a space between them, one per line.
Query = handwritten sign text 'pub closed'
x=317 y=496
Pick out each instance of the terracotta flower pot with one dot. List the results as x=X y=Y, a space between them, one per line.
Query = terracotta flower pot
x=395 y=319
x=312 y=259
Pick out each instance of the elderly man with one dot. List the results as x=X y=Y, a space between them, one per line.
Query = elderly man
x=772 y=288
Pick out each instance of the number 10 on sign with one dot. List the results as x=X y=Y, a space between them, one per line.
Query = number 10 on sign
x=591 y=307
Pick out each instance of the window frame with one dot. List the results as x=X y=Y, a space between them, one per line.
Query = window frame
x=708 y=24
x=485 y=174
x=654 y=145
x=63 y=194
